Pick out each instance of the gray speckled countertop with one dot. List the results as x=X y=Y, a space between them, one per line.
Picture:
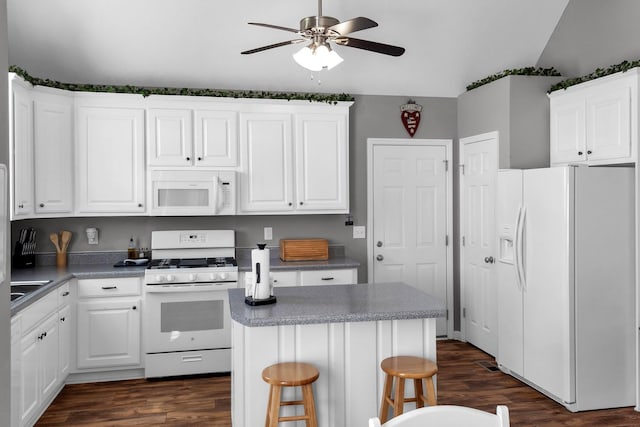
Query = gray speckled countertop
x=298 y=305
x=276 y=264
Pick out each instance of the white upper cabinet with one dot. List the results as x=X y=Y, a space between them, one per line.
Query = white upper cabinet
x=22 y=169
x=266 y=183
x=596 y=122
x=295 y=162
x=110 y=156
x=53 y=159
x=170 y=137
x=189 y=137
x=322 y=158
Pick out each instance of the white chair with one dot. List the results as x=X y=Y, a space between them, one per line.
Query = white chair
x=447 y=416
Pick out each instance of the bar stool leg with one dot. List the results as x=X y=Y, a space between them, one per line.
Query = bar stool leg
x=431 y=392
x=417 y=388
x=273 y=411
x=398 y=401
x=309 y=405
x=386 y=395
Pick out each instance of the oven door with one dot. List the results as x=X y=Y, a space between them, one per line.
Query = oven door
x=189 y=317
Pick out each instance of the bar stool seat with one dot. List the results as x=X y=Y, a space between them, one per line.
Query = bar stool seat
x=402 y=368
x=290 y=374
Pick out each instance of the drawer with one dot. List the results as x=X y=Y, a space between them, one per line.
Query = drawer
x=39 y=310
x=344 y=276
x=113 y=287
x=284 y=278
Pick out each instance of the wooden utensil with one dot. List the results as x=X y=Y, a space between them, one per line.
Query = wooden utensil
x=54 y=239
x=65 y=238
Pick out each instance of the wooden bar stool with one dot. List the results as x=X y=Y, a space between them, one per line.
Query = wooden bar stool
x=290 y=374
x=402 y=368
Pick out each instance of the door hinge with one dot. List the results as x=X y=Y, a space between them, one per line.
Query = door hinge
x=447 y=315
x=461 y=168
x=464 y=312
x=446 y=165
x=446 y=240
x=463 y=241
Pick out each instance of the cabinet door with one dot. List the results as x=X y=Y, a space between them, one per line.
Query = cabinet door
x=609 y=121
x=267 y=183
x=170 y=137
x=22 y=147
x=48 y=356
x=110 y=160
x=568 y=139
x=322 y=179
x=53 y=160
x=29 y=376
x=16 y=371
x=64 y=333
x=216 y=139
x=108 y=333
x=346 y=276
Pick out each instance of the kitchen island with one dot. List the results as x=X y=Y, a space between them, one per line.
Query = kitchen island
x=345 y=331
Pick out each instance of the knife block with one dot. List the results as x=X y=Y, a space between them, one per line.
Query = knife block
x=22 y=260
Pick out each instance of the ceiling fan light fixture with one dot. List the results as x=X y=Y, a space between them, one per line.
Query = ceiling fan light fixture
x=317 y=57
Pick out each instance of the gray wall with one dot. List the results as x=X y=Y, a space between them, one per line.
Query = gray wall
x=593 y=34
x=371 y=116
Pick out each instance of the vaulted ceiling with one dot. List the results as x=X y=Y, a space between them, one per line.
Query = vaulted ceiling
x=197 y=43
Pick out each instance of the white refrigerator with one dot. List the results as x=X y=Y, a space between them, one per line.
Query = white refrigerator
x=566 y=283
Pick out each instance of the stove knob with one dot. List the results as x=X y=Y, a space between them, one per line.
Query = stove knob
x=170 y=277
x=223 y=276
x=159 y=278
x=192 y=277
x=213 y=276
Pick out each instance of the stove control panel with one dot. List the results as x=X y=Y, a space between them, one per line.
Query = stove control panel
x=205 y=276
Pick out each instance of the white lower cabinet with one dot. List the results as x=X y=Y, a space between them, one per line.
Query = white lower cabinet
x=108 y=333
x=345 y=276
x=40 y=348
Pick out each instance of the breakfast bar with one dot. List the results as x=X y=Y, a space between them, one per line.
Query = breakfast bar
x=345 y=331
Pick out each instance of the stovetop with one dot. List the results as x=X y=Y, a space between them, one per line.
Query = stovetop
x=166 y=263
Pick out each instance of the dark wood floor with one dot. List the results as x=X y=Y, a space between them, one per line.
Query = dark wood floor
x=205 y=401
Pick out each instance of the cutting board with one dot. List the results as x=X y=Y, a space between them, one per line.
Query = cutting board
x=304 y=249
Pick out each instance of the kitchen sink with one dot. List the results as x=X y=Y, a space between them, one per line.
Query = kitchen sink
x=25 y=287
x=16 y=295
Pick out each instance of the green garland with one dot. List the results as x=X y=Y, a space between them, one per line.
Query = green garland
x=599 y=72
x=527 y=71
x=147 y=91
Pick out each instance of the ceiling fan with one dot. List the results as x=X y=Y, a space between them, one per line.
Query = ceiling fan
x=320 y=31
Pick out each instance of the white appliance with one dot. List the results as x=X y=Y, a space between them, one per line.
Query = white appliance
x=566 y=283
x=187 y=321
x=185 y=192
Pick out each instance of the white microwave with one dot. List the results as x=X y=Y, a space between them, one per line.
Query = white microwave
x=182 y=192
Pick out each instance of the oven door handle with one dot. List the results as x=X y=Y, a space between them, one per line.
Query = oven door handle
x=172 y=289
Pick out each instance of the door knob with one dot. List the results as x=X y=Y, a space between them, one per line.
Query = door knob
x=488 y=259
x=379 y=244
x=379 y=257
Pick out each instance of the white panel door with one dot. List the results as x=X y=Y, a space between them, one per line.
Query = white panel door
x=110 y=160
x=548 y=279
x=410 y=218
x=22 y=172
x=322 y=152
x=477 y=228
x=170 y=137
x=568 y=127
x=609 y=122
x=216 y=138
x=267 y=184
x=53 y=159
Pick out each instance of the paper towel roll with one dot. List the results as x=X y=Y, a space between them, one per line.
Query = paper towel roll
x=260 y=267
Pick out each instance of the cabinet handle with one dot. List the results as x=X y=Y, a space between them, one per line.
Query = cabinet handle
x=588 y=151
x=62 y=319
x=65 y=293
x=327 y=278
x=21 y=206
x=301 y=203
x=290 y=204
x=109 y=287
x=188 y=159
x=579 y=153
x=40 y=337
x=199 y=158
x=42 y=205
x=134 y=307
x=139 y=205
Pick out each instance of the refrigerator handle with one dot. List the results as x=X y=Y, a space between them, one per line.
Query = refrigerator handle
x=516 y=251
x=520 y=248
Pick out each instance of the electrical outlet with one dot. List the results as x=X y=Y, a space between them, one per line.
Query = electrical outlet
x=359 y=232
x=268 y=233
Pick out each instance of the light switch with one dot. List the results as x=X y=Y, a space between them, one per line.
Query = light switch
x=268 y=233
x=359 y=232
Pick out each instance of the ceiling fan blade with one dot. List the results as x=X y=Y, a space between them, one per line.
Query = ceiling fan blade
x=271 y=46
x=353 y=25
x=276 y=27
x=386 y=49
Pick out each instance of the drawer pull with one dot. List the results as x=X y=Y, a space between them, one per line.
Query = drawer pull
x=109 y=287
x=192 y=358
x=65 y=293
x=327 y=278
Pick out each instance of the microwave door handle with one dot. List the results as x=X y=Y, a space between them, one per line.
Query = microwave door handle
x=216 y=194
